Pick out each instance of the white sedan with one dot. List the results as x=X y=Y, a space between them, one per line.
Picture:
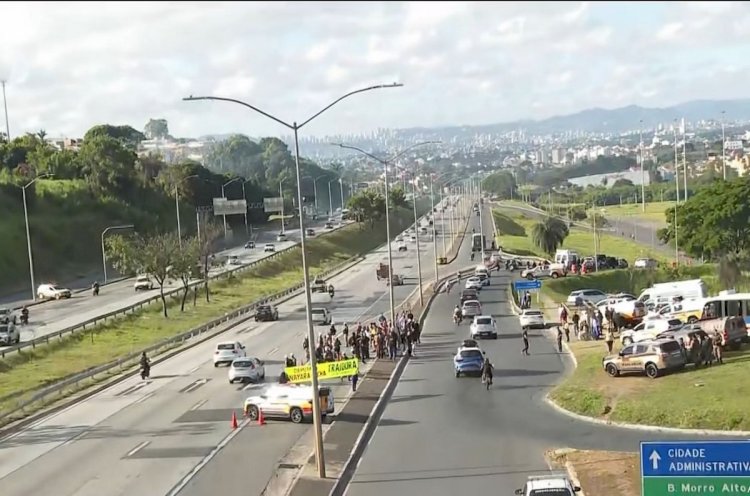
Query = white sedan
x=474 y=283
x=246 y=369
x=483 y=327
x=532 y=318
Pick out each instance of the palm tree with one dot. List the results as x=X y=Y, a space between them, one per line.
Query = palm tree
x=41 y=134
x=549 y=234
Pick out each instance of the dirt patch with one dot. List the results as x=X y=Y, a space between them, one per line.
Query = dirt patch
x=601 y=473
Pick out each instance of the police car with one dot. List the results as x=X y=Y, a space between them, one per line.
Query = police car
x=552 y=484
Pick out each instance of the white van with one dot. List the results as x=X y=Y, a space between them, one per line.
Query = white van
x=665 y=293
x=481 y=270
x=566 y=257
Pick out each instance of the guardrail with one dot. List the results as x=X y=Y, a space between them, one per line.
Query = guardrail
x=132 y=359
x=137 y=306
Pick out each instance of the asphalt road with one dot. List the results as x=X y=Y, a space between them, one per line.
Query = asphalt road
x=52 y=316
x=442 y=435
x=144 y=437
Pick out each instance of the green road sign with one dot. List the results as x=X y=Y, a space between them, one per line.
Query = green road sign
x=703 y=486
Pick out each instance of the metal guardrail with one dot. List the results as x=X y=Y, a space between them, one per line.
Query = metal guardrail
x=42 y=340
x=132 y=359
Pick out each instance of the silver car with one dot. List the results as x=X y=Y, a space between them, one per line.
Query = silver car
x=246 y=369
x=471 y=308
x=483 y=327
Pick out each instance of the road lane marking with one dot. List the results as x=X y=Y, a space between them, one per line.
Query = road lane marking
x=195 y=385
x=137 y=449
x=273 y=350
x=194 y=369
x=144 y=398
x=198 y=405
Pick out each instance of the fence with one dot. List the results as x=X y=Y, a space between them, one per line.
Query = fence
x=132 y=359
x=81 y=326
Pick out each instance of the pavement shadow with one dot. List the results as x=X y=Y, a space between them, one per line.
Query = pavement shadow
x=522 y=372
x=515 y=335
x=359 y=418
x=413 y=397
x=448 y=473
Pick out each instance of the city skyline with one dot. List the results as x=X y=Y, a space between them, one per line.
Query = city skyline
x=461 y=63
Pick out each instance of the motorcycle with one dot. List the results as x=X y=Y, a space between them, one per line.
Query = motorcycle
x=457 y=318
x=331 y=292
x=25 y=317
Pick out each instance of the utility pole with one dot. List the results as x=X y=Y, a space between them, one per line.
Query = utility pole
x=723 y=146
x=5 y=104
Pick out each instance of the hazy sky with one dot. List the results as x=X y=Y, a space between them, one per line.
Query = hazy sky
x=72 y=65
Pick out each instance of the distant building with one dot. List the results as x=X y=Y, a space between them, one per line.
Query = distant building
x=633 y=176
x=558 y=155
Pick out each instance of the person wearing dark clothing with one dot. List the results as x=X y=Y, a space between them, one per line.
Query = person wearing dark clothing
x=283 y=379
x=559 y=339
x=525 y=337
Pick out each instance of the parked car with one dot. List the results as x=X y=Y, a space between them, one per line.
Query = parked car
x=483 y=326
x=228 y=351
x=649 y=329
x=266 y=312
x=143 y=283
x=650 y=357
x=532 y=319
x=468 y=361
x=542 y=272
x=270 y=247
x=580 y=296
x=52 y=291
x=7 y=316
x=9 y=334
x=246 y=370
x=645 y=263
x=321 y=316
x=289 y=401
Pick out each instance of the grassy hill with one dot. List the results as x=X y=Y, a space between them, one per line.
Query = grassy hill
x=66 y=222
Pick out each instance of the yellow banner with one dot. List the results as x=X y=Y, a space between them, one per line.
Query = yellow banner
x=328 y=370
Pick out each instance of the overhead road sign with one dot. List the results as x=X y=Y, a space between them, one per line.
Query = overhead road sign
x=273 y=205
x=525 y=285
x=222 y=206
x=326 y=370
x=702 y=467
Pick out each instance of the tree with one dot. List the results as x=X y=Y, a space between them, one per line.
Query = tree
x=397 y=197
x=209 y=234
x=126 y=135
x=184 y=265
x=622 y=182
x=154 y=256
x=156 y=129
x=41 y=134
x=367 y=206
x=549 y=234
x=501 y=184
x=107 y=164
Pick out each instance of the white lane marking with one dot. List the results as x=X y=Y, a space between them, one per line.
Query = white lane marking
x=195 y=385
x=194 y=369
x=273 y=350
x=138 y=448
x=144 y=398
x=253 y=386
x=198 y=405
x=184 y=482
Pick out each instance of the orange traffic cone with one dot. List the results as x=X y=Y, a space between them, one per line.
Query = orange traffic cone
x=261 y=418
x=234 y=420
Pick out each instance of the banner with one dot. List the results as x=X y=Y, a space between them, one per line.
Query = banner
x=222 y=206
x=327 y=370
x=273 y=205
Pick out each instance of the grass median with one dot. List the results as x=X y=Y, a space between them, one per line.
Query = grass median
x=655 y=211
x=514 y=236
x=698 y=398
x=29 y=370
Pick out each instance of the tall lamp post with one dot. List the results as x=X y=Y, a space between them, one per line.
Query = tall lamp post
x=341 y=189
x=643 y=170
x=104 y=252
x=28 y=234
x=434 y=230
x=330 y=199
x=223 y=195
x=723 y=146
x=248 y=230
x=385 y=162
x=319 y=454
x=315 y=191
x=177 y=206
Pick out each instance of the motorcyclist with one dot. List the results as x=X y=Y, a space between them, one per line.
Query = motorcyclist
x=145 y=366
x=472 y=256
x=24 y=315
x=331 y=291
x=487 y=369
x=457 y=314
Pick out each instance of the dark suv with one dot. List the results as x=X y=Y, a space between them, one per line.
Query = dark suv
x=265 y=313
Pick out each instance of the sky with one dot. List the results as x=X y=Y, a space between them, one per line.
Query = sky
x=70 y=65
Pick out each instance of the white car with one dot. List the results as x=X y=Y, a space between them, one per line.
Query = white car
x=228 y=351
x=246 y=369
x=281 y=237
x=474 y=283
x=645 y=263
x=50 y=291
x=233 y=260
x=402 y=247
x=471 y=308
x=269 y=247
x=592 y=296
x=143 y=283
x=288 y=401
x=321 y=316
x=483 y=327
x=399 y=238
x=532 y=319
x=648 y=330
x=557 y=484
x=7 y=316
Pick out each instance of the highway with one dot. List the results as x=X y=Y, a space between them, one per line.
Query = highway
x=52 y=316
x=144 y=437
x=442 y=435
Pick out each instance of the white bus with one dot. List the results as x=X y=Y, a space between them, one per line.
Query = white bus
x=727 y=304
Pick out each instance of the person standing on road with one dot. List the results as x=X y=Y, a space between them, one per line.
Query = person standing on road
x=525 y=337
x=559 y=339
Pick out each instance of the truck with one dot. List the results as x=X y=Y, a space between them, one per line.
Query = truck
x=382 y=271
x=478 y=242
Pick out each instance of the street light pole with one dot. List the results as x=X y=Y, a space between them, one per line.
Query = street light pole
x=177 y=206
x=225 y=196
x=244 y=197
x=7 y=125
x=315 y=191
x=104 y=252
x=281 y=194
x=319 y=453
x=330 y=199
x=643 y=170
x=723 y=147
x=341 y=188
x=419 y=259
x=28 y=233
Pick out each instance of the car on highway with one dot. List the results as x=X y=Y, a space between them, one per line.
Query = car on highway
x=289 y=401
x=645 y=263
x=269 y=247
x=413 y=238
x=469 y=294
x=467 y=343
x=396 y=280
x=7 y=316
x=652 y=358
x=319 y=286
x=321 y=316
x=552 y=484
x=9 y=334
x=483 y=326
x=250 y=245
x=52 y=292
x=581 y=296
x=143 y=283
x=310 y=232
x=399 y=238
x=228 y=351
x=266 y=312
x=471 y=308
x=281 y=237
x=246 y=369
x=329 y=225
x=402 y=247
x=530 y=318
x=474 y=283
x=543 y=272
x=233 y=260
x=468 y=361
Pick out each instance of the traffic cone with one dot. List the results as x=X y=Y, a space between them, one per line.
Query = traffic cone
x=234 y=420
x=261 y=418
